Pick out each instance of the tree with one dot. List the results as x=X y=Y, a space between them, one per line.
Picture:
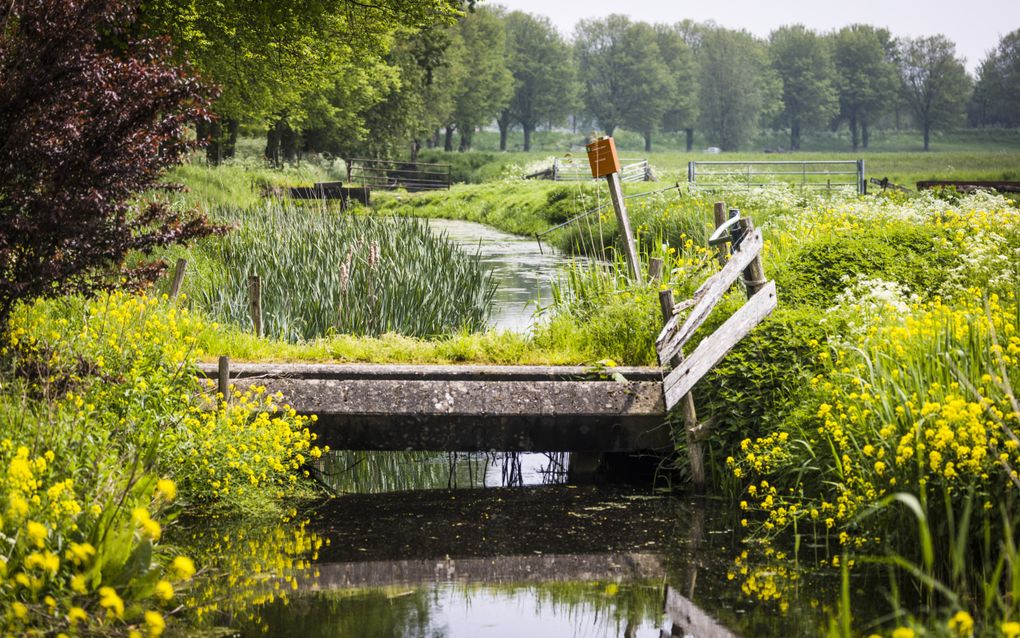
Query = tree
x=682 y=111
x=865 y=76
x=997 y=92
x=738 y=89
x=486 y=84
x=540 y=62
x=85 y=128
x=269 y=56
x=625 y=81
x=935 y=83
x=803 y=63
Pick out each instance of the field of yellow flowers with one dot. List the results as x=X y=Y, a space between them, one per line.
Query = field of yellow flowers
x=105 y=437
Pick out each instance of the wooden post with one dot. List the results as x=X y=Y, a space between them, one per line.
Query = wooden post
x=629 y=251
x=223 y=377
x=255 y=302
x=605 y=163
x=720 y=219
x=695 y=454
x=754 y=274
x=175 y=288
x=655 y=269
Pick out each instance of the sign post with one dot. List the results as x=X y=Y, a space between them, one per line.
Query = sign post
x=605 y=163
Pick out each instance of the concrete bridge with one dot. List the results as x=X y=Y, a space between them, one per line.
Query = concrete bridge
x=471 y=408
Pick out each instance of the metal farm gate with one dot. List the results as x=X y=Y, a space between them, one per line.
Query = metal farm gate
x=806 y=174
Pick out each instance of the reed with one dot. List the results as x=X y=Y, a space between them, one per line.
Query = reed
x=325 y=272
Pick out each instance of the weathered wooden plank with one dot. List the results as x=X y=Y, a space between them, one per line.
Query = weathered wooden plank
x=690 y=619
x=711 y=292
x=710 y=351
x=672 y=324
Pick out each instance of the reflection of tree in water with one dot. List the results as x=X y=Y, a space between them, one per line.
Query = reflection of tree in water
x=362 y=614
x=347 y=472
x=592 y=608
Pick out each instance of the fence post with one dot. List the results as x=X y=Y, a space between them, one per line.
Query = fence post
x=655 y=269
x=754 y=274
x=719 y=214
x=223 y=377
x=175 y=288
x=255 y=302
x=695 y=454
x=862 y=185
x=690 y=173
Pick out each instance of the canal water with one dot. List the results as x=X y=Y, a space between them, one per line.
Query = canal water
x=523 y=269
x=503 y=545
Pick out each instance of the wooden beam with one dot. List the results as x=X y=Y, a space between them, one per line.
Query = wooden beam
x=710 y=351
x=711 y=292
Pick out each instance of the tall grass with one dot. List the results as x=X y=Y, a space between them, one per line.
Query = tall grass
x=325 y=272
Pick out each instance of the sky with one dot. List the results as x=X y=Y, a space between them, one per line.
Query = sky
x=975 y=26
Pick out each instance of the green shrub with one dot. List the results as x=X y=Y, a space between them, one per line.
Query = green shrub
x=917 y=257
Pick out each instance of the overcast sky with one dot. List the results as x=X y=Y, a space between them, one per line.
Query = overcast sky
x=975 y=25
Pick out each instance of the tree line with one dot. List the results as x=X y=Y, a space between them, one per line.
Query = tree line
x=332 y=76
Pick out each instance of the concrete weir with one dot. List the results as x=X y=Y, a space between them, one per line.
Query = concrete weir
x=471 y=408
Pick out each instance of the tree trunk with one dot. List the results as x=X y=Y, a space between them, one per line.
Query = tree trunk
x=465 y=140
x=610 y=129
x=648 y=141
x=864 y=134
x=272 y=152
x=214 y=147
x=795 y=136
x=853 y=132
x=504 y=131
x=415 y=149
x=288 y=142
x=527 y=137
x=927 y=135
x=690 y=139
x=448 y=141
x=230 y=147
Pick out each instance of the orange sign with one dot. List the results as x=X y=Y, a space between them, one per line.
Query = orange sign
x=602 y=157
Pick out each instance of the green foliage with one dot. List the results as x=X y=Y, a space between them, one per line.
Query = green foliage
x=865 y=75
x=543 y=73
x=997 y=92
x=804 y=64
x=624 y=79
x=935 y=83
x=914 y=256
x=738 y=87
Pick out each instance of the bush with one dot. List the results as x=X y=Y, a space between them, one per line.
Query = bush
x=84 y=130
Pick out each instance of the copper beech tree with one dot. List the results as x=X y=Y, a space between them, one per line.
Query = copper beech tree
x=88 y=120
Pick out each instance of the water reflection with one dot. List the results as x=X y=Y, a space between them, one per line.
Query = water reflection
x=523 y=270
x=346 y=472
x=549 y=561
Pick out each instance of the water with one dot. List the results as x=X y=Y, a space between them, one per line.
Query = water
x=524 y=271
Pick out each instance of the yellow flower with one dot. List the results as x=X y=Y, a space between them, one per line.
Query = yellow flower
x=111 y=602
x=155 y=623
x=903 y=632
x=166 y=488
x=75 y=615
x=20 y=610
x=164 y=590
x=182 y=568
x=80 y=552
x=37 y=533
x=961 y=624
x=1011 y=629
x=78 y=583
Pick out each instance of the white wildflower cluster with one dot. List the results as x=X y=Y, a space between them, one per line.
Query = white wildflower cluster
x=865 y=302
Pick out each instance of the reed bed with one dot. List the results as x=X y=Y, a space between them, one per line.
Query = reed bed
x=325 y=272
